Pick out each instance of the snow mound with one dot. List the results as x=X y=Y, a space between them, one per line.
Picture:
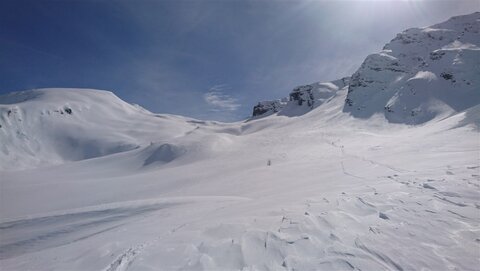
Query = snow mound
x=163 y=154
x=423 y=73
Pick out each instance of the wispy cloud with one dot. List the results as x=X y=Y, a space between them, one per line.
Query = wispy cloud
x=216 y=98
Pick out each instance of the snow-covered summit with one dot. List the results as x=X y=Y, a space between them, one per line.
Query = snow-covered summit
x=421 y=74
x=48 y=126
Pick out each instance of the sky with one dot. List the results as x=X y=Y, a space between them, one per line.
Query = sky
x=204 y=59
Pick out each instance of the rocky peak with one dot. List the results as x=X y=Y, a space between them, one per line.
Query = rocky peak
x=302 y=94
x=301 y=99
x=266 y=108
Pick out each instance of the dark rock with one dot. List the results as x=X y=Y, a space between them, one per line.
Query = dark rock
x=301 y=99
x=446 y=76
x=302 y=94
x=383 y=216
x=268 y=107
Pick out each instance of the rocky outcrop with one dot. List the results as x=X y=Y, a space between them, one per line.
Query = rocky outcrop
x=315 y=94
x=301 y=99
x=303 y=94
x=266 y=108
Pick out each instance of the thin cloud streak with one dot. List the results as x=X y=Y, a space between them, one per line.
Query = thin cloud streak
x=216 y=98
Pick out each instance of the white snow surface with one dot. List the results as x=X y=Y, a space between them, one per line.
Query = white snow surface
x=340 y=193
x=90 y=182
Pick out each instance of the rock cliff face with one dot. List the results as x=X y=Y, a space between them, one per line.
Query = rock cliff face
x=421 y=74
x=315 y=94
x=266 y=108
x=301 y=99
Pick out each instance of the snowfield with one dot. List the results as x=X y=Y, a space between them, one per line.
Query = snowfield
x=89 y=182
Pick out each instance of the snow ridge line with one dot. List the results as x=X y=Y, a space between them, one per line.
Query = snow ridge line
x=384 y=259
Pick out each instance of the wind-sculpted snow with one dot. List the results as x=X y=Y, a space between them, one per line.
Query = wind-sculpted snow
x=309 y=187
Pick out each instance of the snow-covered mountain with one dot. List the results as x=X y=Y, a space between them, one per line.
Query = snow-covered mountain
x=421 y=74
x=90 y=182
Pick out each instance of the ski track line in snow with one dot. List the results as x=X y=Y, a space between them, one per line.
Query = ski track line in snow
x=373 y=162
x=344 y=155
x=349 y=174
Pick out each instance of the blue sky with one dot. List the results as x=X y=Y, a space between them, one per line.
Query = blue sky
x=204 y=59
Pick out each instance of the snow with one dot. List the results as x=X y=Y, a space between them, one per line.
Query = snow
x=340 y=193
x=112 y=186
x=457 y=45
x=424 y=75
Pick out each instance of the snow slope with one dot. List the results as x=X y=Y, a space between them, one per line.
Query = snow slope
x=111 y=186
x=341 y=193
x=51 y=126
